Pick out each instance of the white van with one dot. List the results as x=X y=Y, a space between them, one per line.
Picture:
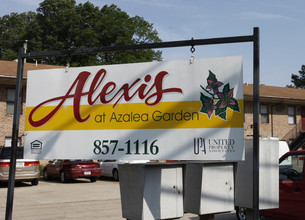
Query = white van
x=283 y=148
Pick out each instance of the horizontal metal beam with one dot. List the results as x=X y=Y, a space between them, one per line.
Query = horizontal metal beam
x=193 y=42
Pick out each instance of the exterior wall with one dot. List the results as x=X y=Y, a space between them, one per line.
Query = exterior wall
x=277 y=126
x=248 y=119
x=6 y=121
x=281 y=127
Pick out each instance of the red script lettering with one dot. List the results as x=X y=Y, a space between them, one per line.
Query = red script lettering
x=151 y=94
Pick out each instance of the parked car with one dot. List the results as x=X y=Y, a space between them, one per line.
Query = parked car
x=72 y=169
x=291 y=189
x=110 y=167
x=26 y=171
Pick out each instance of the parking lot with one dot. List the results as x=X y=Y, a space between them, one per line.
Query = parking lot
x=80 y=199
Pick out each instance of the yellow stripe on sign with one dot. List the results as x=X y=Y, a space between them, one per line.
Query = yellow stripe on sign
x=166 y=115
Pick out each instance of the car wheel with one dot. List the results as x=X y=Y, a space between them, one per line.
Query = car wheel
x=115 y=174
x=94 y=179
x=35 y=182
x=63 y=177
x=241 y=213
x=46 y=175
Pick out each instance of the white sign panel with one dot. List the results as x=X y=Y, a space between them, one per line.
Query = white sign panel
x=159 y=111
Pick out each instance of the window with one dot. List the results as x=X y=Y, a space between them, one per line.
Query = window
x=264 y=114
x=291 y=168
x=8 y=142
x=10 y=100
x=291 y=115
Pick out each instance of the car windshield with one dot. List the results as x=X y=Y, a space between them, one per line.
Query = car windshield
x=291 y=168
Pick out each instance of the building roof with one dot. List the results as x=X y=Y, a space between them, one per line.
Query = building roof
x=8 y=70
x=276 y=94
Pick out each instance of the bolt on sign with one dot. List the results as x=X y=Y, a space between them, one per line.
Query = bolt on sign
x=159 y=111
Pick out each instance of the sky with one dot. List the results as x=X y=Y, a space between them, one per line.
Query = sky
x=281 y=24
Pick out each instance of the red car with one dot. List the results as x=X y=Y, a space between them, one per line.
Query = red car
x=72 y=169
x=291 y=188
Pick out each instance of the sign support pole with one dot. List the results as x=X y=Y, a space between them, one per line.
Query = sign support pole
x=256 y=124
x=238 y=39
x=16 y=120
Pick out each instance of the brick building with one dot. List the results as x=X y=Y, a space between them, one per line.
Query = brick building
x=282 y=110
x=282 y=113
x=8 y=70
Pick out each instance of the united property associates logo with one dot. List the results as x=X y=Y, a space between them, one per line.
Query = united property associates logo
x=202 y=145
x=220 y=145
x=36 y=147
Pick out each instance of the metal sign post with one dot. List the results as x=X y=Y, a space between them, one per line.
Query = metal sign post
x=16 y=119
x=226 y=40
x=256 y=124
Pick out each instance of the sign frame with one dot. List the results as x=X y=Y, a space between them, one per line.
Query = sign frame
x=255 y=39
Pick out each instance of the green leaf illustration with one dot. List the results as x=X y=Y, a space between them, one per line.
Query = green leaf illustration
x=223 y=115
x=234 y=107
x=221 y=112
x=212 y=76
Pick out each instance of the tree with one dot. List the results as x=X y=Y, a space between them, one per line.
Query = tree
x=61 y=24
x=13 y=27
x=299 y=80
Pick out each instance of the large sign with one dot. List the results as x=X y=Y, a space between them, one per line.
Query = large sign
x=159 y=111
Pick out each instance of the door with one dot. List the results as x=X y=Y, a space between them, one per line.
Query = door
x=292 y=187
x=107 y=167
x=54 y=169
x=51 y=168
x=163 y=192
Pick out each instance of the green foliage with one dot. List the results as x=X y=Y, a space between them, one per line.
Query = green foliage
x=61 y=24
x=299 y=80
x=290 y=86
x=41 y=168
x=13 y=28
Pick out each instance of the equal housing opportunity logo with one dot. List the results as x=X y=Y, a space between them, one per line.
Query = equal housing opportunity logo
x=36 y=147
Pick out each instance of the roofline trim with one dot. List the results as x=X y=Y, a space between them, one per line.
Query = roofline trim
x=10 y=77
x=275 y=97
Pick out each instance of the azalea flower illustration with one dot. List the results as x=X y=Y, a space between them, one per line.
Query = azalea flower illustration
x=213 y=83
x=226 y=98
x=218 y=101
x=208 y=106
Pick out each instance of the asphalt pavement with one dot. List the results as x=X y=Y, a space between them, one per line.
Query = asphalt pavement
x=78 y=200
